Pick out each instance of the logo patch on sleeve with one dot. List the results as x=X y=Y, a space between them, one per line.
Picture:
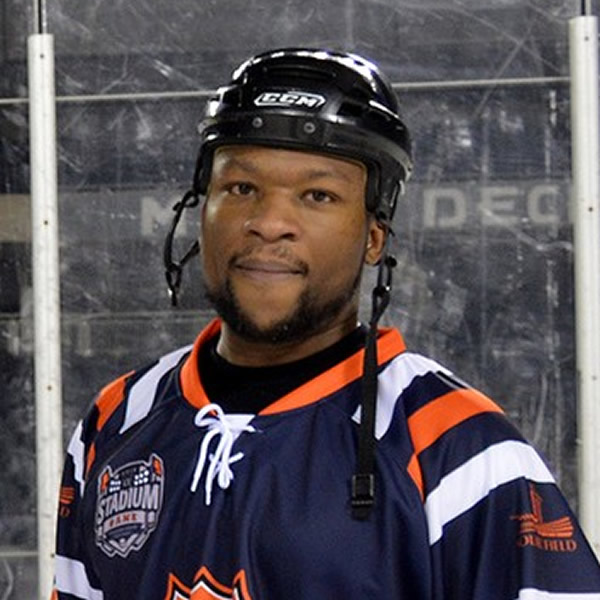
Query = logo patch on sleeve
x=554 y=536
x=128 y=505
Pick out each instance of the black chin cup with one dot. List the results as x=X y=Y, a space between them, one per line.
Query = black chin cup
x=174 y=268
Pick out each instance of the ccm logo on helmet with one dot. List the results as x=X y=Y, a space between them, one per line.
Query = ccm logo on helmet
x=301 y=99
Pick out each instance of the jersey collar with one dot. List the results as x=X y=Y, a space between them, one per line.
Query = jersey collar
x=389 y=345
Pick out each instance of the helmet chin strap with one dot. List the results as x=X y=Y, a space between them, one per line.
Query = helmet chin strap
x=174 y=268
x=363 y=481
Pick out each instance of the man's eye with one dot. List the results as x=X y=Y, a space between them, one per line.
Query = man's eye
x=319 y=196
x=241 y=188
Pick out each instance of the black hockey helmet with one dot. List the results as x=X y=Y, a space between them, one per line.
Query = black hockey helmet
x=316 y=100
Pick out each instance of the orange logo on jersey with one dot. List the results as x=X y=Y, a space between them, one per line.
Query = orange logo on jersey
x=554 y=536
x=206 y=587
x=67 y=496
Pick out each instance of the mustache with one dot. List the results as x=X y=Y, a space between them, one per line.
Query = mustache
x=279 y=254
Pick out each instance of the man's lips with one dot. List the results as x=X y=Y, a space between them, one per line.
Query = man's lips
x=269 y=268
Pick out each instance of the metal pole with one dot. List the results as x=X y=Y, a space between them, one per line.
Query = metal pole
x=586 y=7
x=583 y=44
x=46 y=294
x=40 y=17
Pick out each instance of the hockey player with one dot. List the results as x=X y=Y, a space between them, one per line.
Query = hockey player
x=291 y=452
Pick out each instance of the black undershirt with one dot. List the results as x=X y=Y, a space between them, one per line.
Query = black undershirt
x=248 y=390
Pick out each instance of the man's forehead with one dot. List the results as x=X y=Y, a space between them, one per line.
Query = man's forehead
x=251 y=157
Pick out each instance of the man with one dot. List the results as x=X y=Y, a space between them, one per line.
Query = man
x=257 y=464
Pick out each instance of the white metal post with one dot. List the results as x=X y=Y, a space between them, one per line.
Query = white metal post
x=46 y=294
x=583 y=43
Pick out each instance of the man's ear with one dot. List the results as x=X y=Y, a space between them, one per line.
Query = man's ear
x=375 y=241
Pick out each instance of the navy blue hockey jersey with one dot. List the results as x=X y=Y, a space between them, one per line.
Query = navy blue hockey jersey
x=165 y=497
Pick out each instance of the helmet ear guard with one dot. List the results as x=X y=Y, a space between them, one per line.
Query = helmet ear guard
x=202 y=172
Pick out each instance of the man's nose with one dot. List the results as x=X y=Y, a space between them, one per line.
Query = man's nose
x=273 y=217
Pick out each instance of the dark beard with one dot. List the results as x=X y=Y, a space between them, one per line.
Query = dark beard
x=308 y=318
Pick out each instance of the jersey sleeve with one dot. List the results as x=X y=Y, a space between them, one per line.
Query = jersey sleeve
x=499 y=527
x=74 y=576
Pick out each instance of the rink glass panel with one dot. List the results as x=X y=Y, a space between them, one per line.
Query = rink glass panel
x=483 y=237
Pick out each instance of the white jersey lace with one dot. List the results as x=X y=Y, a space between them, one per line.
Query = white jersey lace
x=228 y=427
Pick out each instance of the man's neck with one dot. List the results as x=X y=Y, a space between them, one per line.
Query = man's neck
x=240 y=351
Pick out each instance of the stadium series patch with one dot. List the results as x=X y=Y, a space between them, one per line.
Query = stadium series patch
x=128 y=505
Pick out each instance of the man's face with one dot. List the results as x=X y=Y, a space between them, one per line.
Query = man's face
x=284 y=238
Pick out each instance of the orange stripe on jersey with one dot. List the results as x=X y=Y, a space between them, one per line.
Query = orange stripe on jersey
x=433 y=420
x=389 y=344
x=414 y=470
x=109 y=399
x=189 y=377
x=91 y=457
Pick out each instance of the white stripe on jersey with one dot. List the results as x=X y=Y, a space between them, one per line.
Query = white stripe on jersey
x=76 y=450
x=143 y=391
x=392 y=381
x=464 y=487
x=71 y=578
x=532 y=594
